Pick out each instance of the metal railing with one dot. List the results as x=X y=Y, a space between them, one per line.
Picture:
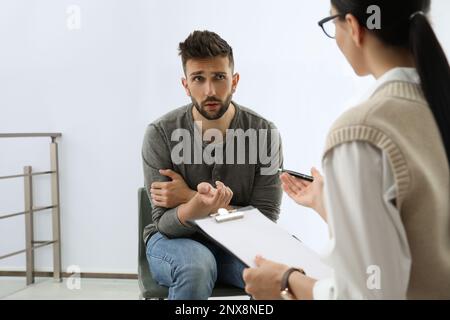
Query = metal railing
x=30 y=209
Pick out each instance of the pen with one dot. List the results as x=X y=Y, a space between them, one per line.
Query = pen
x=297 y=175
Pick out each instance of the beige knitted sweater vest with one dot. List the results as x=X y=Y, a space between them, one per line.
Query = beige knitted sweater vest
x=397 y=120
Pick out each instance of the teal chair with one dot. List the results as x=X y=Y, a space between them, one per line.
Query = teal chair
x=150 y=290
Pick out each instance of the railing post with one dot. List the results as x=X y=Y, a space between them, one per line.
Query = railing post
x=29 y=210
x=29 y=237
x=56 y=224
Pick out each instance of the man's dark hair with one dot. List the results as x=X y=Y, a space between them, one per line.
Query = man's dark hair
x=203 y=45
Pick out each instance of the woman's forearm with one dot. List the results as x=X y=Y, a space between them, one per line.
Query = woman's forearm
x=323 y=214
x=301 y=286
x=320 y=209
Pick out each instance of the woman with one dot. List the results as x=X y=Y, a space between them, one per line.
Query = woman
x=386 y=190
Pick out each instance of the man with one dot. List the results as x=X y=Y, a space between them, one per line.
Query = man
x=189 y=178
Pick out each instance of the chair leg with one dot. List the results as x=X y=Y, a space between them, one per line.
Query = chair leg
x=157 y=299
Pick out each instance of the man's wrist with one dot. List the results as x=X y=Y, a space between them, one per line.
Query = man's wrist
x=189 y=195
x=185 y=210
x=181 y=213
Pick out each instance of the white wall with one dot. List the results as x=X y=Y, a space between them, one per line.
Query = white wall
x=101 y=85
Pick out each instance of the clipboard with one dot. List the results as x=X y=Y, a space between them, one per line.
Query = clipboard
x=252 y=234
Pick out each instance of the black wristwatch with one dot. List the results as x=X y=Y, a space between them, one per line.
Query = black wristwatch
x=285 y=293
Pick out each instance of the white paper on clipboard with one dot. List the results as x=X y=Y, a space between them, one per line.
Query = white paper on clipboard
x=255 y=234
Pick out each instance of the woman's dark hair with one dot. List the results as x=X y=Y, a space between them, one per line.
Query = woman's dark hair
x=402 y=27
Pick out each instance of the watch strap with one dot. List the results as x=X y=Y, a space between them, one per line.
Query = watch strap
x=286 y=275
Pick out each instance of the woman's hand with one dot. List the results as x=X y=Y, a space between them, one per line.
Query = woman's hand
x=307 y=194
x=264 y=281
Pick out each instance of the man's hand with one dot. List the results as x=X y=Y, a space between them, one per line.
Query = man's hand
x=207 y=200
x=171 y=194
x=307 y=194
x=264 y=281
x=224 y=200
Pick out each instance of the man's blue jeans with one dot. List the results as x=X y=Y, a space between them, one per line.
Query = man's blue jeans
x=190 y=268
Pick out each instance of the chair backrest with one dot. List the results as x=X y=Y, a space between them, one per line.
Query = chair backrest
x=149 y=288
x=145 y=216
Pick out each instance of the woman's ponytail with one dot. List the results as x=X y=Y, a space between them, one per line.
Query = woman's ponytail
x=405 y=25
x=434 y=70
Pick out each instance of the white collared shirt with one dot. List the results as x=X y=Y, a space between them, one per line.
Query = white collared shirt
x=368 y=248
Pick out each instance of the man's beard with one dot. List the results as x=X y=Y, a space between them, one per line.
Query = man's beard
x=202 y=108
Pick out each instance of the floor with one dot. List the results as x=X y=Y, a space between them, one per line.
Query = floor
x=12 y=288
